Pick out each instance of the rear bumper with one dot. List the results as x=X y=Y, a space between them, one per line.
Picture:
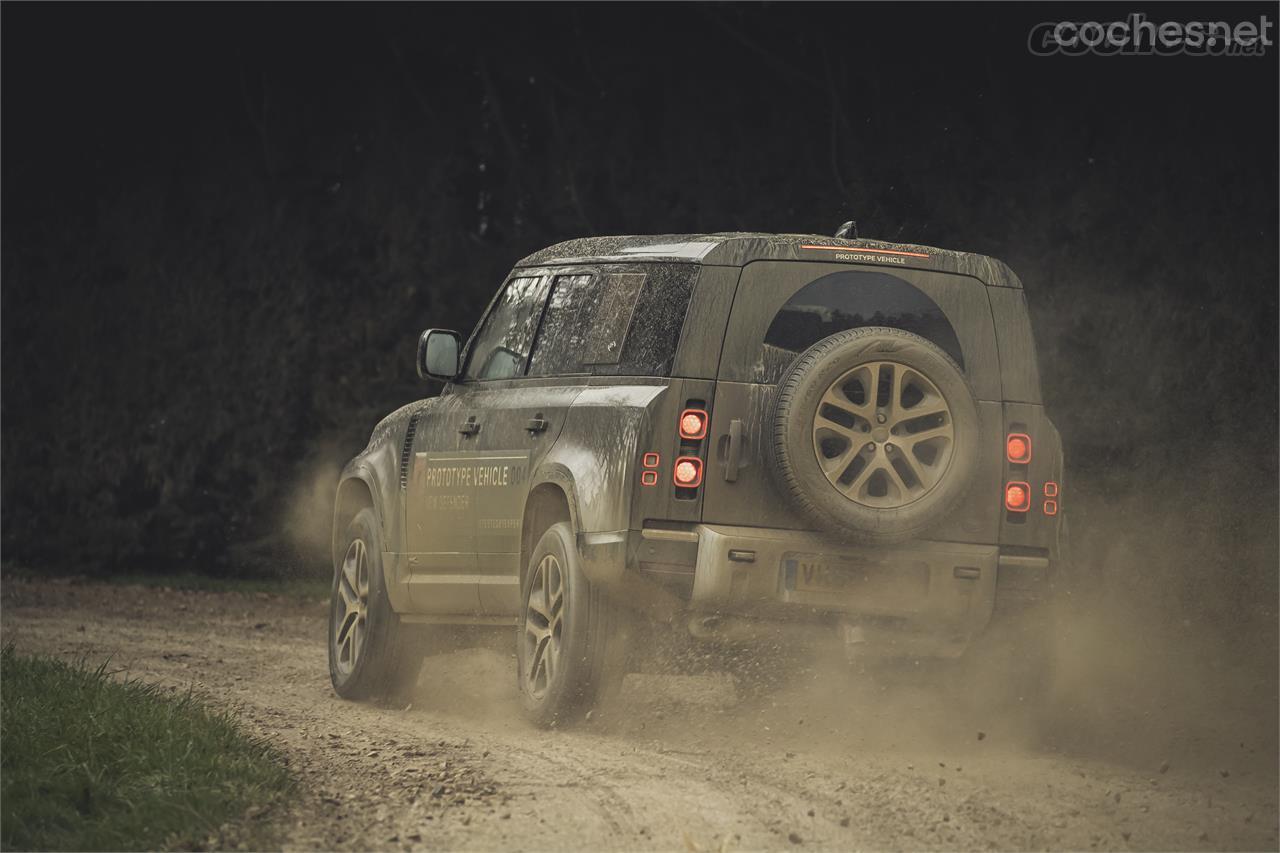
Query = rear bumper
x=943 y=593
x=938 y=587
x=947 y=590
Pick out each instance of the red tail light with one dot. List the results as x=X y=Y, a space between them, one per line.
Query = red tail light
x=651 y=460
x=1051 y=489
x=693 y=424
x=687 y=472
x=1017 y=497
x=1018 y=448
x=648 y=478
x=1051 y=507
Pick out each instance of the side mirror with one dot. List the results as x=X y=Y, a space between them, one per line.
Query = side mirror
x=438 y=354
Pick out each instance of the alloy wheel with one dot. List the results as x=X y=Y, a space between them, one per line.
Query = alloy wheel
x=351 y=628
x=543 y=626
x=883 y=434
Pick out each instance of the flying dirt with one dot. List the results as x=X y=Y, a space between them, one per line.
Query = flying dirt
x=835 y=759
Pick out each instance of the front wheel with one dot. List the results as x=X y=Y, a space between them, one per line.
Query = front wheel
x=569 y=645
x=371 y=654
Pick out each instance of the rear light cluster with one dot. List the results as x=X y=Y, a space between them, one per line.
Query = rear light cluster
x=1018 y=494
x=686 y=471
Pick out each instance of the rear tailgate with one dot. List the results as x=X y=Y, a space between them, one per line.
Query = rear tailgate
x=780 y=309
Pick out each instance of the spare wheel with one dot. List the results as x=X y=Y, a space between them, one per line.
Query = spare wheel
x=875 y=435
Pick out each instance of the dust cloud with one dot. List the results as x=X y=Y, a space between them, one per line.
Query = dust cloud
x=1165 y=653
x=1137 y=679
x=308 y=513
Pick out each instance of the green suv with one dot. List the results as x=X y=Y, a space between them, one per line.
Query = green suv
x=728 y=433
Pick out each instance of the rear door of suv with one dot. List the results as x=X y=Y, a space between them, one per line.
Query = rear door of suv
x=783 y=307
x=590 y=330
x=521 y=416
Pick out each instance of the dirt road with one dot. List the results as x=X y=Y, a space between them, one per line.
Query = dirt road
x=676 y=763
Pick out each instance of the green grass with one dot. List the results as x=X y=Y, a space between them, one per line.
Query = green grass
x=89 y=762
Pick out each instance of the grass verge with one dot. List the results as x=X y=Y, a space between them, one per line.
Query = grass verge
x=92 y=763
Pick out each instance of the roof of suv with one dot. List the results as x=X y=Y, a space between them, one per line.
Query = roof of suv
x=739 y=248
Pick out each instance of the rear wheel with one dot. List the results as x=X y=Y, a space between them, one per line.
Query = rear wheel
x=371 y=653
x=569 y=645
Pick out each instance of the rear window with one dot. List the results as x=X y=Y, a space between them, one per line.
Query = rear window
x=782 y=308
x=847 y=300
x=613 y=321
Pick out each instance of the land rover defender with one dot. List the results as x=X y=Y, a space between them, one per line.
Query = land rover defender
x=724 y=432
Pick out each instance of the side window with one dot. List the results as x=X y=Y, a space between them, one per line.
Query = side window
x=656 y=322
x=614 y=323
x=611 y=319
x=502 y=345
x=566 y=328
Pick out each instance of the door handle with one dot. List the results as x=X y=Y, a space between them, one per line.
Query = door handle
x=470 y=428
x=536 y=424
x=733 y=458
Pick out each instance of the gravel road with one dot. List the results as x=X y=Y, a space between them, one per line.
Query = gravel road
x=675 y=763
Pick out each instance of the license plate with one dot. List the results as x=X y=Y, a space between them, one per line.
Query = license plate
x=823 y=574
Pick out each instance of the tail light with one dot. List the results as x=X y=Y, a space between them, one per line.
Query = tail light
x=693 y=424
x=687 y=472
x=1018 y=448
x=1017 y=497
x=1051 y=498
x=649 y=477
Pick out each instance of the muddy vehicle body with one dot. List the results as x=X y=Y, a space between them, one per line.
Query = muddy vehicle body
x=729 y=434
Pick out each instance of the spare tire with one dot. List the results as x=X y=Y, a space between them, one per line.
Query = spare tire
x=875 y=434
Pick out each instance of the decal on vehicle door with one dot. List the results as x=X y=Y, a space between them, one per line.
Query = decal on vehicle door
x=448 y=482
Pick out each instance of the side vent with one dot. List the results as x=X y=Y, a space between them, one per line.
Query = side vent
x=406 y=452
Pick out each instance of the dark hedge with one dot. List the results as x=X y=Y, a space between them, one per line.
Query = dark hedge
x=223 y=229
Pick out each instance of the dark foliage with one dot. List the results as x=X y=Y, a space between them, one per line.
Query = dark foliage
x=223 y=227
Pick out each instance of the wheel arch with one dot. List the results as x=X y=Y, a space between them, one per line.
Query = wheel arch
x=354 y=494
x=548 y=503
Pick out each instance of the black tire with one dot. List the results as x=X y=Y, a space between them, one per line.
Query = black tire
x=388 y=655
x=795 y=461
x=583 y=639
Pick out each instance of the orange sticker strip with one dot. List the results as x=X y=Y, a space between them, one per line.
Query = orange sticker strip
x=872 y=251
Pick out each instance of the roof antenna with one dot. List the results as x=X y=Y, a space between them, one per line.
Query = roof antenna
x=848 y=231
